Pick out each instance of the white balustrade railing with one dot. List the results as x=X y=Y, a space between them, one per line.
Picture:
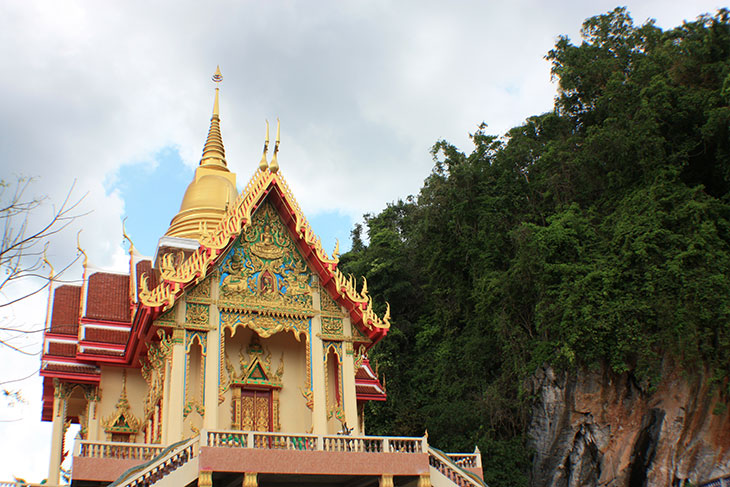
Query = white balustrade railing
x=466 y=460
x=331 y=443
x=147 y=475
x=444 y=464
x=110 y=449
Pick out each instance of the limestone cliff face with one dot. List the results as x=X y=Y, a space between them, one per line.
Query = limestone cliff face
x=599 y=428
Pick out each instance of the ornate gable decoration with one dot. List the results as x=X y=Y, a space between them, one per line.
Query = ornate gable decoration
x=256 y=369
x=122 y=420
x=264 y=271
x=237 y=218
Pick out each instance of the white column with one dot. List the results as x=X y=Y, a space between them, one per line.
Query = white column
x=92 y=431
x=177 y=388
x=349 y=397
x=173 y=427
x=212 y=370
x=319 y=413
x=59 y=418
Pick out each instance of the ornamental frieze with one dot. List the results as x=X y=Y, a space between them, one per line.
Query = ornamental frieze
x=264 y=326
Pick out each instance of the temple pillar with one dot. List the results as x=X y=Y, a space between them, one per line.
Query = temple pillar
x=250 y=479
x=165 y=402
x=319 y=411
x=212 y=375
x=92 y=430
x=424 y=481
x=386 y=480
x=212 y=364
x=205 y=478
x=177 y=387
x=59 y=427
x=348 y=382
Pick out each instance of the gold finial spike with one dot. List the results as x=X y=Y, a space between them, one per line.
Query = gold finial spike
x=214 y=155
x=81 y=251
x=126 y=237
x=82 y=300
x=274 y=166
x=264 y=164
x=50 y=288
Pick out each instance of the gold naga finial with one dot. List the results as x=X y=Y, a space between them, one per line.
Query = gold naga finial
x=274 y=166
x=82 y=301
x=50 y=288
x=47 y=262
x=81 y=251
x=264 y=164
x=126 y=237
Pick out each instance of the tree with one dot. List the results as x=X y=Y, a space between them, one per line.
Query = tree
x=595 y=235
x=23 y=245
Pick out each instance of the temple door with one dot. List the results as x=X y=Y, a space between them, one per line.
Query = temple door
x=256 y=410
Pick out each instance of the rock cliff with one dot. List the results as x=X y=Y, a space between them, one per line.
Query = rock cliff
x=592 y=428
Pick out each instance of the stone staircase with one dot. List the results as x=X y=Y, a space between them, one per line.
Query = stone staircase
x=175 y=466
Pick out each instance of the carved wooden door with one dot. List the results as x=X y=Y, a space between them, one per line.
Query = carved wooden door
x=256 y=410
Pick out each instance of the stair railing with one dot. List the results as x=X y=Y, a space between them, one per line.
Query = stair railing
x=169 y=460
x=449 y=469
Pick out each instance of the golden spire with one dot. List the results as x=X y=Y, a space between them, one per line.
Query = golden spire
x=264 y=164
x=274 y=166
x=214 y=155
x=213 y=187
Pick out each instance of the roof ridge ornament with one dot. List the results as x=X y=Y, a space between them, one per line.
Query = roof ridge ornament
x=274 y=166
x=264 y=164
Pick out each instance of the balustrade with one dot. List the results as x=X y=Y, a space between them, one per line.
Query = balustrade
x=108 y=449
x=464 y=460
x=443 y=463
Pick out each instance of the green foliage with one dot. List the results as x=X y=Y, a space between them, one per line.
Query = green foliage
x=596 y=234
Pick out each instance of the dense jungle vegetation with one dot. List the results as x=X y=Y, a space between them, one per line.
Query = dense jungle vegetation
x=595 y=234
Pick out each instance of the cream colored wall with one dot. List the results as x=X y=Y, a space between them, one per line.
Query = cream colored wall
x=110 y=391
x=294 y=416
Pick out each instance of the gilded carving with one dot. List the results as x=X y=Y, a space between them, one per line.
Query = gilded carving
x=328 y=305
x=331 y=326
x=122 y=420
x=265 y=326
x=196 y=314
x=200 y=293
x=264 y=268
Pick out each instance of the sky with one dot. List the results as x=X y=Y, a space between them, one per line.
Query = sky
x=111 y=101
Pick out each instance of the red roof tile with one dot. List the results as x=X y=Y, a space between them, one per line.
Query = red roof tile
x=65 y=315
x=107 y=297
x=62 y=349
x=106 y=336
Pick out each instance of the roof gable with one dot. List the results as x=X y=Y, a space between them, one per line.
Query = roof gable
x=270 y=187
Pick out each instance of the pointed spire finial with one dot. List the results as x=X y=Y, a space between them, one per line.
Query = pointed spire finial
x=274 y=166
x=213 y=152
x=264 y=164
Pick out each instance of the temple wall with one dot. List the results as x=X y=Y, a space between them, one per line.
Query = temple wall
x=294 y=416
x=111 y=390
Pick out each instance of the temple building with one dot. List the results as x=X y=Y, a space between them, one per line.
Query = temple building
x=237 y=356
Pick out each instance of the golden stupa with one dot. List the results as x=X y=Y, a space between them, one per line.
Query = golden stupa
x=212 y=188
